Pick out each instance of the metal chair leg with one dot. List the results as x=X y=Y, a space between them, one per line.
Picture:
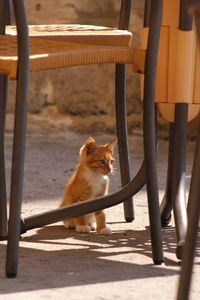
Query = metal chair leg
x=150 y=130
x=152 y=19
x=192 y=230
x=123 y=137
x=166 y=204
x=121 y=122
x=178 y=175
x=19 y=140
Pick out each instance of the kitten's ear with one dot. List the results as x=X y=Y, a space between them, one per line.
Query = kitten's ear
x=111 y=145
x=90 y=140
x=89 y=146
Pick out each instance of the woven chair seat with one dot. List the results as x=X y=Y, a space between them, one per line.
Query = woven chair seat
x=66 y=46
x=79 y=33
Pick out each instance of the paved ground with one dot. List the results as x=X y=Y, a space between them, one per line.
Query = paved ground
x=59 y=263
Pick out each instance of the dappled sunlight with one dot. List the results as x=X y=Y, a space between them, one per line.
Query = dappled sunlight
x=79 y=259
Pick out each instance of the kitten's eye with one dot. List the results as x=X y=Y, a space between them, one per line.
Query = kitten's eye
x=112 y=161
x=102 y=161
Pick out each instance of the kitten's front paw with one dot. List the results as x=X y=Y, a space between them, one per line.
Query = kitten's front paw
x=83 y=228
x=105 y=231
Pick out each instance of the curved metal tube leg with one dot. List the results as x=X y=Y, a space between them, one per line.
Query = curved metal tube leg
x=178 y=184
x=150 y=130
x=86 y=207
x=123 y=136
x=166 y=204
x=192 y=230
x=120 y=102
x=19 y=141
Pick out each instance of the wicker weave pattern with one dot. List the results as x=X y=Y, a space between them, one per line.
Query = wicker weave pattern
x=60 y=53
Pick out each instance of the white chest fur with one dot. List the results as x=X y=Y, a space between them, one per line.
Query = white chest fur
x=97 y=182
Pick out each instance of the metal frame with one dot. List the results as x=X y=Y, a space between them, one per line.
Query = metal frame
x=19 y=139
x=192 y=230
x=121 y=120
x=166 y=204
x=178 y=175
x=99 y=203
x=175 y=194
x=149 y=117
x=193 y=201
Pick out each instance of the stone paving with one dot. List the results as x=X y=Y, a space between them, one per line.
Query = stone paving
x=59 y=263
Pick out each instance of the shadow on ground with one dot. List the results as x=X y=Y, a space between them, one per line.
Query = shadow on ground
x=74 y=259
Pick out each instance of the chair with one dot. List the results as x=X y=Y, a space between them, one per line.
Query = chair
x=61 y=46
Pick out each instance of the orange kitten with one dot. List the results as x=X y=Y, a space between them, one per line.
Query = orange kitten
x=90 y=181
